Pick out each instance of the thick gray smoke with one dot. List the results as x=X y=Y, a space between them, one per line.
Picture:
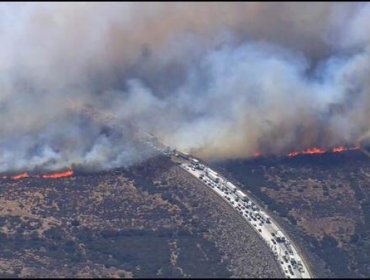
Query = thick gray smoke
x=222 y=80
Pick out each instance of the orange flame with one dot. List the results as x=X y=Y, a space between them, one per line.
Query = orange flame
x=315 y=151
x=25 y=175
x=257 y=154
x=312 y=151
x=339 y=149
x=21 y=176
x=66 y=174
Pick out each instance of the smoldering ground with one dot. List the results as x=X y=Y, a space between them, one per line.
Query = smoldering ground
x=221 y=80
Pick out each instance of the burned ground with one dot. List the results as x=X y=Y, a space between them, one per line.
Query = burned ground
x=322 y=200
x=153 y=220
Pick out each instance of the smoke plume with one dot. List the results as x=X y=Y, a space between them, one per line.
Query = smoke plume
x=220 y=80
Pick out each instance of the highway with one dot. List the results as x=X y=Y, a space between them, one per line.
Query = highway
x=291 y=262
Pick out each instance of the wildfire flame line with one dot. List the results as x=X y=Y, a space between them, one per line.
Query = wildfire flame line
x=68 y=173
x=58 y=175
x=315 y=151
x=21 y=176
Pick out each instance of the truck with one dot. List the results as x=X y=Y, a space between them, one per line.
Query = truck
x=196 y=164
x=231 y=187
x=212 y=175
x=241 y=195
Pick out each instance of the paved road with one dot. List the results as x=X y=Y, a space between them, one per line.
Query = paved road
x=291 y=262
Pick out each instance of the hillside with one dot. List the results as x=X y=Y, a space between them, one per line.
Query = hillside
x=323 y=200
x=153 y=220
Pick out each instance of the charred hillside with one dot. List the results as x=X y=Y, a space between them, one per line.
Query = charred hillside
x=152 y=220
x=322 y=199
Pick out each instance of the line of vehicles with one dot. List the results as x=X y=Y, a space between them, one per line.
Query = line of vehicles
x=286 y=254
